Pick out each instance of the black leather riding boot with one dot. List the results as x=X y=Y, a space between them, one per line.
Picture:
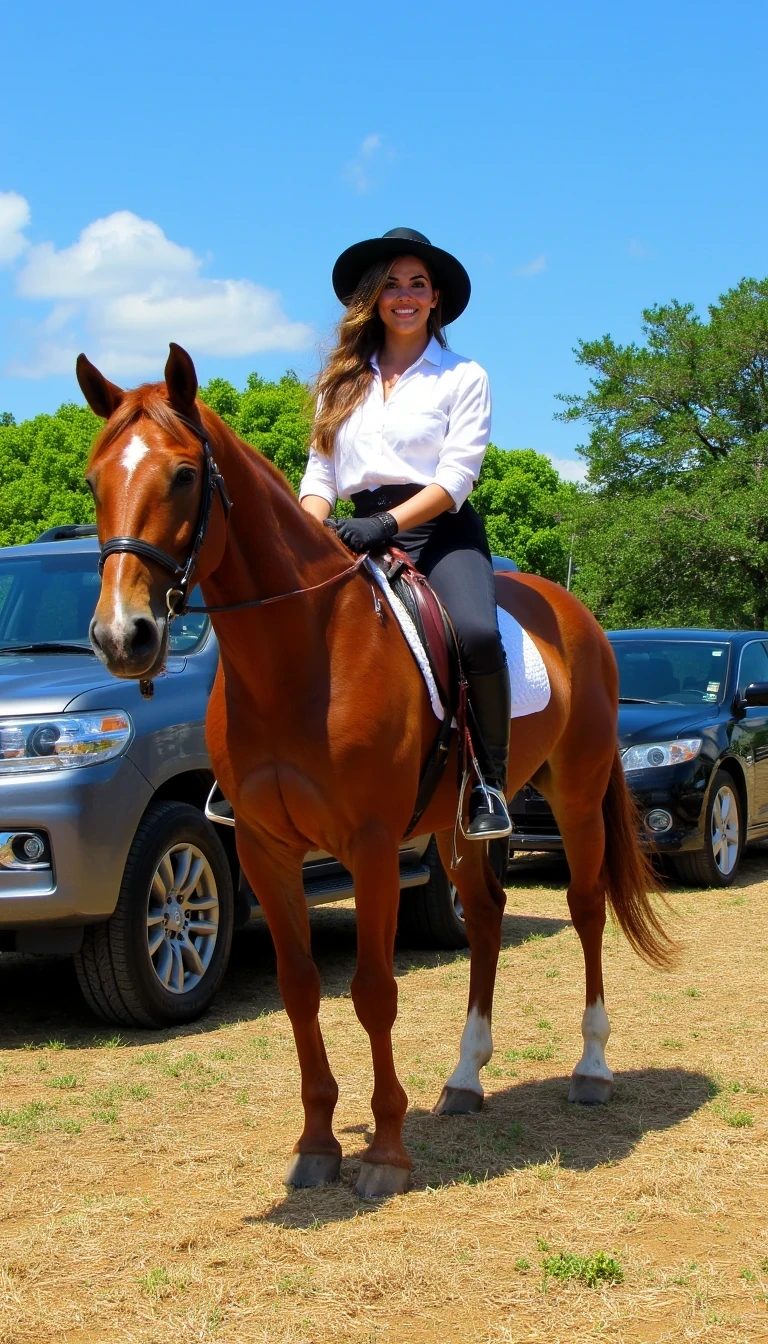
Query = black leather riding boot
x=491 y=705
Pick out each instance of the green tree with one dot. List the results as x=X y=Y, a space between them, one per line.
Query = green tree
x=41 y=473
x=694 y=393
x=521 y=498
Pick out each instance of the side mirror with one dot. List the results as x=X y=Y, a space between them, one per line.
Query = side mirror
x=755 y=694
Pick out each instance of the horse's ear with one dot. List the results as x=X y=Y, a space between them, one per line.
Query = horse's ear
x=102 y=396
x=181 y=380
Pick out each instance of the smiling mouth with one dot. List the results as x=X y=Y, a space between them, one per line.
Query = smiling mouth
x=404 y=312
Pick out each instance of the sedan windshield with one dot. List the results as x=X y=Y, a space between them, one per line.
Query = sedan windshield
x=48 y=600
x=671 y=671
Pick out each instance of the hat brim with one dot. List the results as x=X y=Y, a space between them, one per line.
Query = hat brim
x=449 y=274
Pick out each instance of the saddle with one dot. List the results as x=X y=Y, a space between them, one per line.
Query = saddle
x=438 y=638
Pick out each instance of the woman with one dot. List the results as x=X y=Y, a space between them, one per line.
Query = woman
x=401 y=430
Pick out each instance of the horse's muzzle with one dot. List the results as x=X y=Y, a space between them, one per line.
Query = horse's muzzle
x=132 y=646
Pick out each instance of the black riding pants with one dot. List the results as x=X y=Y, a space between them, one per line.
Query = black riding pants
x=452 y=552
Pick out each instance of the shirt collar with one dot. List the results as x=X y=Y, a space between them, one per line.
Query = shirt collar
x=433 y=355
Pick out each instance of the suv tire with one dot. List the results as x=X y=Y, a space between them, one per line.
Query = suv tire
x=432 y=916
x=717 y=864
x=147 y=966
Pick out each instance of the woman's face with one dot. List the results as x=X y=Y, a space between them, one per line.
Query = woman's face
x=407 y=297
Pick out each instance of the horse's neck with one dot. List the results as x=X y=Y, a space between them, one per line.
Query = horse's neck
x=272 y=547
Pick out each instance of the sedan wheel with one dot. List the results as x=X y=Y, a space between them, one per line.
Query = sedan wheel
x=182 y=918
x=717 y=862
x=725 y=830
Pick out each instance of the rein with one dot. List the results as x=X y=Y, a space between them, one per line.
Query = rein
x=176 y=596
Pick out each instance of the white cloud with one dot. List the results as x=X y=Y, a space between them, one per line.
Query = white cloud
x=569 y=468
x=14 y=217
x=364 y=170
x=124 y=290
x=534 y=267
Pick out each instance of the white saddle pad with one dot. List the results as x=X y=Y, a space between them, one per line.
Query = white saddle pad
x=527 y=674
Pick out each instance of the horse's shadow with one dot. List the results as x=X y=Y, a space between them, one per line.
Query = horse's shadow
x=41 y=1000
x=527 y=1126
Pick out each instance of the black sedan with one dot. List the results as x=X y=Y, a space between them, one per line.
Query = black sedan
x=693 y=733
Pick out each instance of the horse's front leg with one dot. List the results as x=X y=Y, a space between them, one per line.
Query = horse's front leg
x=275 y=874
x=386 y=1166
x=483 y=899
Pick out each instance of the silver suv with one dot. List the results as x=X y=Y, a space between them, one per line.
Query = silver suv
x=105 y=849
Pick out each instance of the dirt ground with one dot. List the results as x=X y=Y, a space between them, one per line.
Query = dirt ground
x=142 y=1199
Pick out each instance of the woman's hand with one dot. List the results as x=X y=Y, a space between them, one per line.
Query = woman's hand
x=364 y=534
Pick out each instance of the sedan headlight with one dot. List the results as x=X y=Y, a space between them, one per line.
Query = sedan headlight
x=62 y=741
x=652 y=755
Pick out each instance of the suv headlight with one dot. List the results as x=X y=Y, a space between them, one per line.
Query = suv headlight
x=63 y=741
x=652 y=755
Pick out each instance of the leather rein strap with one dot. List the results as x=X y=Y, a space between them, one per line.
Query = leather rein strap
x=176 y=597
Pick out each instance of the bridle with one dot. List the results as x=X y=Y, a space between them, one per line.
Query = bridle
x=181 y=575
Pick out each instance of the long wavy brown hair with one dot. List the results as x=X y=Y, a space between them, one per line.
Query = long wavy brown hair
x=343 y=383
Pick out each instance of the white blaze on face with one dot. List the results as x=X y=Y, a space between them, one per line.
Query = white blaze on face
x=132 y=454
x=595 y=1028
x=476 y=1050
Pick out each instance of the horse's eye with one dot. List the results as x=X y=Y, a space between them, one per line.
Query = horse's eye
x=185 y=476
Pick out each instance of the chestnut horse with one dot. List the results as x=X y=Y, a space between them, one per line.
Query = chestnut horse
x=318 y=725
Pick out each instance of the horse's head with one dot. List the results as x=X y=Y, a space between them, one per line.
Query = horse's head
x=148 y=473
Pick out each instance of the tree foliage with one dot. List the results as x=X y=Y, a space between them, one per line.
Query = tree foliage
x=688 y=397
x=674 y=529
x=42 y=462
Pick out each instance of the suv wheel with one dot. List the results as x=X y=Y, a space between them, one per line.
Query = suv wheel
x=161 y=957
x=432 y=915
x=717 y=863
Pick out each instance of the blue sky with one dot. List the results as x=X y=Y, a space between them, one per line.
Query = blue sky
x=190 y=172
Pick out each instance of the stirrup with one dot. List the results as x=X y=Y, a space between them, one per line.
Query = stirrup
x=492 y=821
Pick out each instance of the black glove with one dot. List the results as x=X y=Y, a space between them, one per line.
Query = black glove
x=364 y=534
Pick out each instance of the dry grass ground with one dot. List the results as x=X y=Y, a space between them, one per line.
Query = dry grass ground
x=142 y=1198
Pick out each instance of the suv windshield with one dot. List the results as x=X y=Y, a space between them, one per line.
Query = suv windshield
x=671 y=671
x=50 y=599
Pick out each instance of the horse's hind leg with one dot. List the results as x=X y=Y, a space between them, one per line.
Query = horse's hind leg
x=580 y=820
x=275 y=877
x=483 y=900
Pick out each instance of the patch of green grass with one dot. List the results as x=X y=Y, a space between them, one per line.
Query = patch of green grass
x=590 y=1270
x=67 y=1082
x=748 y=1275
x=693 y=993
x=672 y=1043
x=534 y=1052
x=109 y=1042
x=522 y=1265
x=223 y=1054
x=261 y=1045
x=291 y=1285
x=54 y=1045
x=35 y=1117
x=139 y=1092
x=552 y=973
x=418 y=1084
x=469 y=1178
x=542 y=1243
x=543 y=1024
x=155 y=1280
x=739 y=1119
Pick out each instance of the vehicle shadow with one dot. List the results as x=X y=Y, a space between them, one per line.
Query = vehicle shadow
x=41 y=1000
x=527 y=1126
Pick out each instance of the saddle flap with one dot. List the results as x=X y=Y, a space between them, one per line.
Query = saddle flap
x=432 y=623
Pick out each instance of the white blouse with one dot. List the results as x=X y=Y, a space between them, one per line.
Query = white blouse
x=433 y=429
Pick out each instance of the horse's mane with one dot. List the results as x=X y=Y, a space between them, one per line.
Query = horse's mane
x=151 y=400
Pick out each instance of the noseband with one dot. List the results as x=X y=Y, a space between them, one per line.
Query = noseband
x=213 y=481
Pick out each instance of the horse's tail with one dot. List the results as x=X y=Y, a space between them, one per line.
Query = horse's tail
x=629 y=876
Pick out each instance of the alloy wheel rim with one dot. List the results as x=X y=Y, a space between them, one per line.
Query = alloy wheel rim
x=725 y=830
x=182 y=918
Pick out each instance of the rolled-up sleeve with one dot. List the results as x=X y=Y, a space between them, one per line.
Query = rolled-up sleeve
x=466 y=439
x=319 y=478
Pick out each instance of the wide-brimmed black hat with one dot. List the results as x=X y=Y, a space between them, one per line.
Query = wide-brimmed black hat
x=449 y=274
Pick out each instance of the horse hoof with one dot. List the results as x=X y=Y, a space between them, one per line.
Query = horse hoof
x=377 y=1180
x=458 y=1101
x=590 y=1091
x=306 y=1170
